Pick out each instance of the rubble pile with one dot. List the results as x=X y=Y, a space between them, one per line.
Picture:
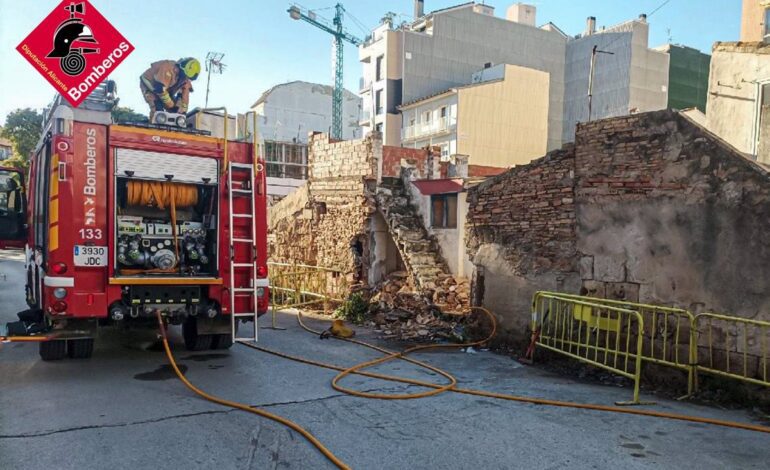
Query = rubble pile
x=404 y=313
x=424 y=326
x=451 y=295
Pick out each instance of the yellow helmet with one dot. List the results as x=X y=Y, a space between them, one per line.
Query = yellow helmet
x=190 y=66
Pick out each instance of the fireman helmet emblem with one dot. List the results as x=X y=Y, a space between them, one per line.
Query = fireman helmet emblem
x=69 y=32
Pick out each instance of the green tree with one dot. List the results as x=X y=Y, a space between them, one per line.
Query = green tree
x=15 y=162
x=22 y=127
x=126 y=114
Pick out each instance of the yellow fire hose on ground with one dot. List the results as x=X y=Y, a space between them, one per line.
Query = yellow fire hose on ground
x=240 y=406
x=391 y=355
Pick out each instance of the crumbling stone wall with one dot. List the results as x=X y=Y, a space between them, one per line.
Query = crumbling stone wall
x=521 y=236
x=668 y=213
x=328 y=225
x=655 y=209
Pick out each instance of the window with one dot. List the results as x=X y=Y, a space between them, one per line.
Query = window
x=444 y=152
x=443 y=211
x=378 y=102
x=426 y=116
x=443 y=112
x=378 y=68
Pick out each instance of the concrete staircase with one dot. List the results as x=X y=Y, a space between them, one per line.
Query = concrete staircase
x=419 y=250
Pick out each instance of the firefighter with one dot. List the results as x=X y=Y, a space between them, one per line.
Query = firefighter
x=166 y=85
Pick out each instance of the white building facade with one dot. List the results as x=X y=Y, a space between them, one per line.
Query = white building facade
x=443 y=49
x=287 y=113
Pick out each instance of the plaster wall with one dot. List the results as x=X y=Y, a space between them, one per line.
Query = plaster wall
x=504 y=123
x=733 y=93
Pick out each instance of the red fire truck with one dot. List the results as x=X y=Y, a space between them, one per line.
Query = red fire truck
x=126 y=220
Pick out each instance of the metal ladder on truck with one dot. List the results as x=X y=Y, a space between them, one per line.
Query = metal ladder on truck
x=239 y=266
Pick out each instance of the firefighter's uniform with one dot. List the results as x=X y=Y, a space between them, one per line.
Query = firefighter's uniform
x=167 y=84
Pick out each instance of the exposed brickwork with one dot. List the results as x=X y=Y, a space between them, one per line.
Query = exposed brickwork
x=531 y=210
x=324 y=227
x=657 y=210
x=481 y=170
x=392 y=156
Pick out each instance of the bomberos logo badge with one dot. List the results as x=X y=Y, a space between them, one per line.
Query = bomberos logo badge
x=75 y=48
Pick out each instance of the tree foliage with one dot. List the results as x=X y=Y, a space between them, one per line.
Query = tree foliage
x=22 y=127
x=125 y=114
x=15 y=161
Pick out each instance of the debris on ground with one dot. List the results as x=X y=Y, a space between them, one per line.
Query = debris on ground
x=400 y=311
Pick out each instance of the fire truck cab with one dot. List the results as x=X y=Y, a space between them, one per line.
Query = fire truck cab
x=128 y=220
x=13 y=217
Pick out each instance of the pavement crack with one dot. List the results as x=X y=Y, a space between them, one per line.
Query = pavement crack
x=177 y=416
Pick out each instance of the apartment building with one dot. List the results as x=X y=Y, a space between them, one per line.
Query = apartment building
x=287 y=114
x=442 y=49
x=499 y=120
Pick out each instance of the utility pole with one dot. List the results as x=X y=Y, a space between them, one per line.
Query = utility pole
x=594 y=51
x=339 y=34
x=213 y=63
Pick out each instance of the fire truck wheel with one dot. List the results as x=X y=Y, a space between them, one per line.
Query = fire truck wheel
x=53 y=350
x=80 y=348
x=224 y=341
x=192 y=340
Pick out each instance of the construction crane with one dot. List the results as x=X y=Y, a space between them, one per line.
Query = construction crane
x=297 y=12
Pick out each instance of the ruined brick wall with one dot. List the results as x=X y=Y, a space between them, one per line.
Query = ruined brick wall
x=530 y=210
x=392 y=156
x=668 y=213
x=656 y=209
x=330 y=226
x=520 y=234
x=343 y=178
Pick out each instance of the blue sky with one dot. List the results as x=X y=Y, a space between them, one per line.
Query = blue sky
x=263 y=46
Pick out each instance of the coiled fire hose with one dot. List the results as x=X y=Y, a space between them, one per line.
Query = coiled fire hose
x=437 y=388
x=502 y=396
x=161 y=195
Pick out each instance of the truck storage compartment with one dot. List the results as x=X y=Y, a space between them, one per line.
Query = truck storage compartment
x=166 y=215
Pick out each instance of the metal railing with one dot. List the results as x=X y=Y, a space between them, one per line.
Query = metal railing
x=424 y=129
x=602 y=335
x=671 y=337
x=668 y=335
x=745 y=353
x=300 y=285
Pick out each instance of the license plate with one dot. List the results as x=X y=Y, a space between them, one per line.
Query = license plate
x=91 y=256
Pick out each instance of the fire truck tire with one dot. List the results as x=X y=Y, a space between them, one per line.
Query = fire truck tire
x=192 y=340
x=54 y=350
x=224 y=341
x=80 y=348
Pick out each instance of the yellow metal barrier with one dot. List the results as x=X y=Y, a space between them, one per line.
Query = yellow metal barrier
x=299 y=285
x=744 y=355
x=668 y=336
x=602 y=335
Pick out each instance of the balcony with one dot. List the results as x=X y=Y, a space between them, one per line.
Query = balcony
x=422 y=130
x=366 y=118
x=364 y=85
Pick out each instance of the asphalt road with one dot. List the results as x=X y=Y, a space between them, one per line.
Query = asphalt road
x=124 y=409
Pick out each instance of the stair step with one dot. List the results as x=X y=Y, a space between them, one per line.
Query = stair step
x=422 y=258
x=418 y=245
